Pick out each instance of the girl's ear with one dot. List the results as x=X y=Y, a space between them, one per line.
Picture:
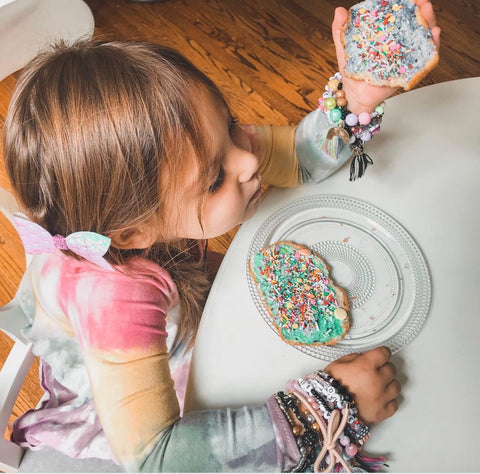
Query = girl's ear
x=134 y=238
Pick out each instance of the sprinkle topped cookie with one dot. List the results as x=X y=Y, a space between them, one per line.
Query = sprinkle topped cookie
x=305 y=306
x=388 y=43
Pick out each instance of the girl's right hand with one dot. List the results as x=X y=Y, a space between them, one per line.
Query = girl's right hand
x=370 y=378
x=362 y=96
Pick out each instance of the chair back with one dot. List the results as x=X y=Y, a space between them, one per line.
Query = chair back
x=20 y=358
x=13 y=457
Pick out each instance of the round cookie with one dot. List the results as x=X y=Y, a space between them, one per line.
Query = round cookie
x=388 y=43
x=304 y=304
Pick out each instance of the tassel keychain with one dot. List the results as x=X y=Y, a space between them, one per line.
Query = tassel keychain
x=360 y=161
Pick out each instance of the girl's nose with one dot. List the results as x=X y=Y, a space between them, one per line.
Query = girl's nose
x=247 y=163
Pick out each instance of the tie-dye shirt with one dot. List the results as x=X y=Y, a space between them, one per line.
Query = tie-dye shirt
x=114 y=385
x=112 y=391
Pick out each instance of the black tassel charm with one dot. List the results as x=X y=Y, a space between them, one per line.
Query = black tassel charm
x=360 y=161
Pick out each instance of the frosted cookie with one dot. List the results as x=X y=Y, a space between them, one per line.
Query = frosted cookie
x=388 y=43
x=304 y=304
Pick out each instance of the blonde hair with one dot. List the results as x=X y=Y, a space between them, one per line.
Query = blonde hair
x=97 y=138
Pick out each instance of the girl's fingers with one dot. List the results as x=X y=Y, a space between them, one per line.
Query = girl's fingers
x=388 y=372
x=393 y=390
x=390 y=408
x=420 y=3
x=427 y=12
x=426 y=9
x=339 y=20
x=436 y=35
x=379 y=356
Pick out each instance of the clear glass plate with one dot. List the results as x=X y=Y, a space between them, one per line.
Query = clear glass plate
x=371 y=256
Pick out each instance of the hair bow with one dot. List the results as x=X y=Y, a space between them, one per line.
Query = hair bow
x=36 y=240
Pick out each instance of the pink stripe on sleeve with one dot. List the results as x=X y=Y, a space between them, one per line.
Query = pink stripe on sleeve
x=112 y=310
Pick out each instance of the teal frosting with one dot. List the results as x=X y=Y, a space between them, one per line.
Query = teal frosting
x=298 y=293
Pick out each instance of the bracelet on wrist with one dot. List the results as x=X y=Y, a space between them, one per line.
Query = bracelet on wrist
x=324 y=420
x=306 y=436
x=353 y=129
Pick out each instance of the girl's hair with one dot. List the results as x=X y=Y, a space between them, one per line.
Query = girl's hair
x=98 y=138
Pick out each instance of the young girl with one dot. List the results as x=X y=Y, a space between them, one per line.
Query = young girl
x=125 y=159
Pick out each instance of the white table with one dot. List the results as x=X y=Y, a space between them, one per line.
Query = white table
x=426 y=176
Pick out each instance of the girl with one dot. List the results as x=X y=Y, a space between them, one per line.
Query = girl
x=126 y=158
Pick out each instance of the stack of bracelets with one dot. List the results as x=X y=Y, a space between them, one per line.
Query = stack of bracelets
x=353 y=129
x=324 y=421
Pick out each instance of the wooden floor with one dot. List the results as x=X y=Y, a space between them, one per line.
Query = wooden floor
x=271 y=58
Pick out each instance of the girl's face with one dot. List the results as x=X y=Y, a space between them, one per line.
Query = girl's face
x=234 y=188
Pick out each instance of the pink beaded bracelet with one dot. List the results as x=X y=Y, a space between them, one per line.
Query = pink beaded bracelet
x=353 y=129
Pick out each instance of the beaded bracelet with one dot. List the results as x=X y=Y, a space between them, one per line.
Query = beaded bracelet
x=306 y=436
x=300 y=467
x=331 y=434
x=358 y=431
x=328 y=431
x=355 y=431
x=353 y=129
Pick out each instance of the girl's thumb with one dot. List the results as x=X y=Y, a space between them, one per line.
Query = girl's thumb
x=339 y=20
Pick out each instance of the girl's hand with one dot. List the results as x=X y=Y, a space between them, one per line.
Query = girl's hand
x=361 y=96
x=370 y=378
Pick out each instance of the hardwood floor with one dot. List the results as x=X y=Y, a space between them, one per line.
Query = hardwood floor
x=271 y=58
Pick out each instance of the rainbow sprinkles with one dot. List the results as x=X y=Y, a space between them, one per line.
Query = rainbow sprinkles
x=305 y=306
x=388 y=43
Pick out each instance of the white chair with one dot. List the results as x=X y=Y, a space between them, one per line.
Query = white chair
x=19 y=361
x=13 y=458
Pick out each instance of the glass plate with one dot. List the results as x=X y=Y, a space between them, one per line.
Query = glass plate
x=371 y=256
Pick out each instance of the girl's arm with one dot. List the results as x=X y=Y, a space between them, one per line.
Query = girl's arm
x=120 y=323
x=138 y=408
x=294 y=155
x=258 y=438
x=249 y=439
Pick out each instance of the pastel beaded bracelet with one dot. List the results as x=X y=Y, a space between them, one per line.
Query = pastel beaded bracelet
x=353 y=129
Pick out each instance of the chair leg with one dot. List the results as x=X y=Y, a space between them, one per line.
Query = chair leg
x=10 y=456
x=12 y=376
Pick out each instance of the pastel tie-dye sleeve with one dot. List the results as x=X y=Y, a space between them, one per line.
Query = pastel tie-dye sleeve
x=318 y=157
x=120 y=322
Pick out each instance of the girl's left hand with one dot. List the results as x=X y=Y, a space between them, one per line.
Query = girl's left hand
x=361 y=96
x=371 y=378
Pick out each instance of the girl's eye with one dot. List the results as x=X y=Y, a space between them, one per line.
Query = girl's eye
x=233 y=126
x=218 y=182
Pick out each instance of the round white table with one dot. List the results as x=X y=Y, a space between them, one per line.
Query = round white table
x=426 y=176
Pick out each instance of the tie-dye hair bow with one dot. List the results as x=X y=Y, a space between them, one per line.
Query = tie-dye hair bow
x=36 y=240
